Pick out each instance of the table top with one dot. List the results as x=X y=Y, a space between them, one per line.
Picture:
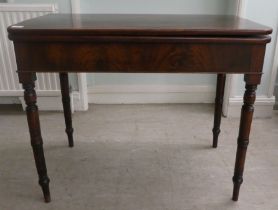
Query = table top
x=139 y=25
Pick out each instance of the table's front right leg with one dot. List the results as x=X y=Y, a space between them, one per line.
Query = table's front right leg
x=30 y=97
x=244 y=130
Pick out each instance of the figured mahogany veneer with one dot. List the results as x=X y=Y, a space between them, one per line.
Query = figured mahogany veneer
x=139 y=44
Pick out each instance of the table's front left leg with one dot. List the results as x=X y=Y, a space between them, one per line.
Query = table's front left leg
x=64 y=83
x=221 y=79
x=30 y=97
x=244 y=130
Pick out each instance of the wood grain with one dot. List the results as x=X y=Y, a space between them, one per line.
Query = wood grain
x=138 y=57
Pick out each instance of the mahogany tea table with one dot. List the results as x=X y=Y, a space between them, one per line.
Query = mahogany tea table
x=139 y=44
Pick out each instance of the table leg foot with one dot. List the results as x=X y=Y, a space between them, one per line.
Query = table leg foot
x=216 y=133
x=44 y=183
x=244 y=130
x=64 y=83
x=237 y=183
x=41 y=168
x=47 y=198
x=70 y=137
x=221 y=78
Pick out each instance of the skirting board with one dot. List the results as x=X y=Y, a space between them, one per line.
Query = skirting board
x=263 y=107
x=49 y=103
x=49 y=100
x=150 y=94
x=276 y=95
x=77 y=102
x=9 y=100
x=46 y=103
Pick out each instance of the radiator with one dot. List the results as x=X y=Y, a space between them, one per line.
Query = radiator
x=46 y=84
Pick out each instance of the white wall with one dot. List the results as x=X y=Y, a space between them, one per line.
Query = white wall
x=154 y=6
x=264 y=12
x=64 y=5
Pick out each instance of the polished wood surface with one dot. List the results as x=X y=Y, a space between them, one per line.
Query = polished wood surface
x=140 y=44
x=138 y=57
x=244 y=130
x=30 y=97
x=127 y=24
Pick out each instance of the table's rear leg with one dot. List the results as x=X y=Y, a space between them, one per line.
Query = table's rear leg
x=64 y=82
x=244 y=130
x=221 y=78
x=27 y=80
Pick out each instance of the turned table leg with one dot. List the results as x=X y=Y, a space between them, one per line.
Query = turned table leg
x=221 y=78
x=64 y=83
x=27 y=80
x=244 y=130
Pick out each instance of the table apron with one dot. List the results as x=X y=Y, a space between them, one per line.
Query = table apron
x=139 y=57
